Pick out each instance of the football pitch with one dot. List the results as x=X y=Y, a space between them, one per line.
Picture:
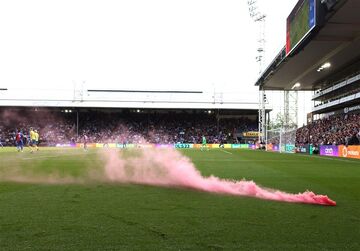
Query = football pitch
x=85 y=214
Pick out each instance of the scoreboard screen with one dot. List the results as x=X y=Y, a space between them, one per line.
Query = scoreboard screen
x=299 y=24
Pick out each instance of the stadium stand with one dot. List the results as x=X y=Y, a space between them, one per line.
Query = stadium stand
x=326 y=61
x=334 y=130
x=130 y=126
x=336 y=107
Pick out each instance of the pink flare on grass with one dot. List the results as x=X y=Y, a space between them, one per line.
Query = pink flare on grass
x=167 y=167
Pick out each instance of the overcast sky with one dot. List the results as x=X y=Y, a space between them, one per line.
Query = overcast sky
x=137 y=44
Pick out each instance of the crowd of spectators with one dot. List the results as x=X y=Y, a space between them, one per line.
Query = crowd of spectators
x=110 y=127
x=53 y=128
x=334 y=130
x=163 y=128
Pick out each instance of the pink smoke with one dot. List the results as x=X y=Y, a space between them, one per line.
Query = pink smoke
x=167 y=167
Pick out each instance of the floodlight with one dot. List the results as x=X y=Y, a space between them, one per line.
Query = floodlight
x=296 y=86
x=324 y=66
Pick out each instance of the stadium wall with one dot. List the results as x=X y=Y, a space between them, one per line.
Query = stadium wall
x=352 y=152
x=177 y=146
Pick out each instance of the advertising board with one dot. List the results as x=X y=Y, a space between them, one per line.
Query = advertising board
x=183 y=145
x=352 y=152
x=305 y=149
x=329 y=150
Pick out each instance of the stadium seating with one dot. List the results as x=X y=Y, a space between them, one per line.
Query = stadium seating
x=105 y=127
x=335 y=130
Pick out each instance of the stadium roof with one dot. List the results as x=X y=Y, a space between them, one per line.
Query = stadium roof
x=105 y=98
x=337 y=42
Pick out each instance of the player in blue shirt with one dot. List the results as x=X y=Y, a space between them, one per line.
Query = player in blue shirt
x=19 y=141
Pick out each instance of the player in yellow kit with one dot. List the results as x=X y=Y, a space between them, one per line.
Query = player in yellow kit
x=32 y=140
x=37 y=140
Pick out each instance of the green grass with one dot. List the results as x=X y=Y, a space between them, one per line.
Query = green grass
x=103 y=216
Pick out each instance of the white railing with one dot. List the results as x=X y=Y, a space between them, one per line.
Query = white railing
x=336 y=87
x=337 y=102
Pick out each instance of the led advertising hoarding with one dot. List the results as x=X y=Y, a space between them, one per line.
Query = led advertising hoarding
x=329 y=150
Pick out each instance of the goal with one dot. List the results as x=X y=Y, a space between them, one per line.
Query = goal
x=280 y=140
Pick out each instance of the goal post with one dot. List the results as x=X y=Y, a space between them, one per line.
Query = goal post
x=280 y=140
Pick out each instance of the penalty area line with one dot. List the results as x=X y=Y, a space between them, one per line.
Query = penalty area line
x=224 y=151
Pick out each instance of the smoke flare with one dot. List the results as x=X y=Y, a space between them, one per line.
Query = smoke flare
x=167 y=167
x=159 y=167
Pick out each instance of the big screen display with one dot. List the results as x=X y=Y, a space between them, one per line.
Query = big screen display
x=300 y=22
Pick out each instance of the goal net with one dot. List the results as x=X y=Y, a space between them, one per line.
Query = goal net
x=280 y=140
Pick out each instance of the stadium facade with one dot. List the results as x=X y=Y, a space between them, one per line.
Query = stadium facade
x=326 y=60
x=83 y=111
x=79 y=102
x=322 y=55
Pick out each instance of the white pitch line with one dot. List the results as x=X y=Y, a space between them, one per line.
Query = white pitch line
x=52 y=156
x=240 y=160
x=225 y=151
x=319 y=157
x=329 y=158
